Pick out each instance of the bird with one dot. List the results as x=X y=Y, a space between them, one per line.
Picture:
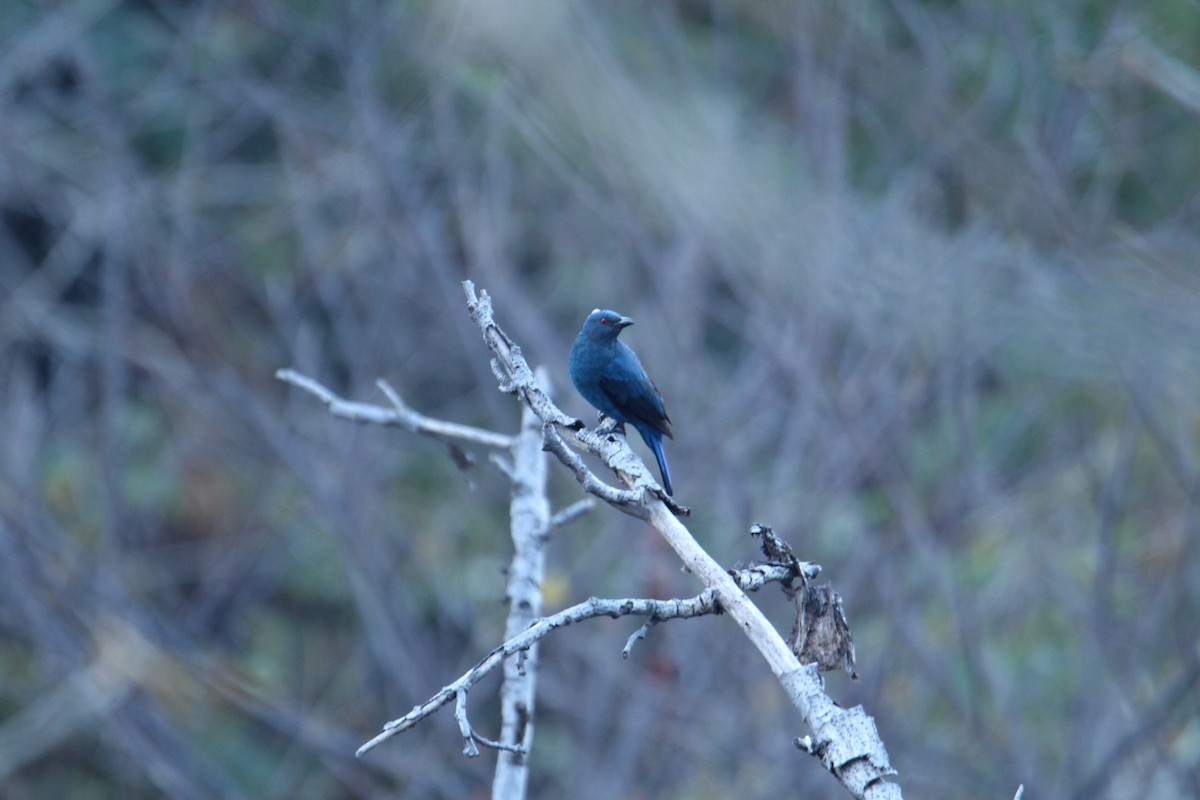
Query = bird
x=609 y=375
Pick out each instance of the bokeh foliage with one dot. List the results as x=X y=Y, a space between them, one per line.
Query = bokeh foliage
x=918 y=281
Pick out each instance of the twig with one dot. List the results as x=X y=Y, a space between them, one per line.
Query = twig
x=572 y=512
x=529 y=514
x=626 y=500
x=638 y=635
x=399 y=414
x=705 y=603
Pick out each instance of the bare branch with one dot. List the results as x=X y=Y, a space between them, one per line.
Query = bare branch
x=572 y=512
x=400 y=415
x=520 y=459
x=847 y=741
x=703 y=604
x=529 y=514
x=471 y=737
x=638 y=635
x=626 y=500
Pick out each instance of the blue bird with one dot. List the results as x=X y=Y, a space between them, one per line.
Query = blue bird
x=609 y=376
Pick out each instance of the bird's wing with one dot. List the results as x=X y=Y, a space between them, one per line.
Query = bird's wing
x=630 y=390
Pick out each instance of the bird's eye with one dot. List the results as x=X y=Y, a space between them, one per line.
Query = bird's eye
x=604 y=320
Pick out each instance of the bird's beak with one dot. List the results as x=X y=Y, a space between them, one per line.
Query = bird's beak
x=624 y=322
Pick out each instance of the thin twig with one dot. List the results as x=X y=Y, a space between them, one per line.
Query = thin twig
x=703 y=604
x=399 y=415
x=572 y=512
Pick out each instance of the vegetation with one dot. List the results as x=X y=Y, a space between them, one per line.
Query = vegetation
x=918 y=282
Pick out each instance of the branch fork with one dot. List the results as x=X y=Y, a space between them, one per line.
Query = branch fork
x=846 y=741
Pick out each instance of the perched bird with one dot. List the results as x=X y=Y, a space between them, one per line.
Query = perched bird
x=609 y=376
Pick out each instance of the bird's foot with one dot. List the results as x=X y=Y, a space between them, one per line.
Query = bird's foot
x=609 y=425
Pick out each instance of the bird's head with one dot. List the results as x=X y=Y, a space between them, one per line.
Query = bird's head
x=603 y=325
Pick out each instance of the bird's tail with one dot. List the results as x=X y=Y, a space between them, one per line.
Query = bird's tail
x=655 y=443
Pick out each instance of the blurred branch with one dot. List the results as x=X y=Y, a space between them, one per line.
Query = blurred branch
x=572 y=512
x=1161 y=70
x=847 y=741
x=122 y=663
x=1148 y=730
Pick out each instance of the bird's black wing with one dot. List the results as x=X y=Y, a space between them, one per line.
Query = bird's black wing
x=629 y=388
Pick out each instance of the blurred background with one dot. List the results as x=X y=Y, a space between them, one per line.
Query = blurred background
x=918 y=281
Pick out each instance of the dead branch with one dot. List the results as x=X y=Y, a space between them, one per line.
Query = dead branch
x=750 y=578
x=845 y=740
